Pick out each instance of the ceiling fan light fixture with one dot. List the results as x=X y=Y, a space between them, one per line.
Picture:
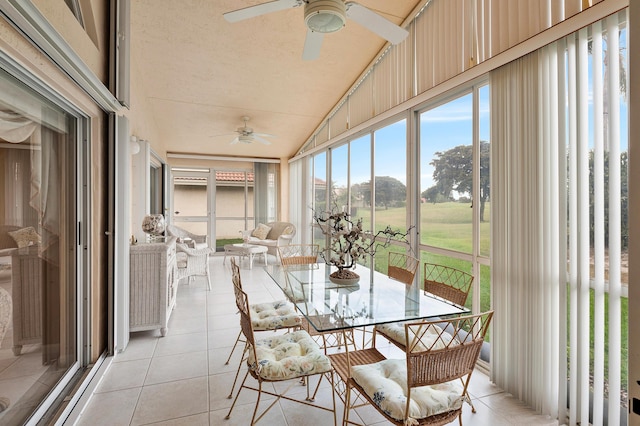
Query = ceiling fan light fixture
x=245 y=138
x=325 y=16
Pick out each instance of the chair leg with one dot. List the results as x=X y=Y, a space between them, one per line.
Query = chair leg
x=237 y=395
x=235 y=380
x=234 y=348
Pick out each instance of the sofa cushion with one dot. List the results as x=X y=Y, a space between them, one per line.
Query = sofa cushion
x=385 y=382
x=261 y=231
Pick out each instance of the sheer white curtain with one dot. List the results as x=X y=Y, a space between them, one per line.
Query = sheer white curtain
x=526 y=284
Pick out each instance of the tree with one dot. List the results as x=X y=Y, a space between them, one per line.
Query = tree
x=624 y=198
x=389 y=192
x=453 y=171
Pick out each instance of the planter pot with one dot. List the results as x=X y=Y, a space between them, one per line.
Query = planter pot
x=344 y=277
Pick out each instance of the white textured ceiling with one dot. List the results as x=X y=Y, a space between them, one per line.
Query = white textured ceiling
x=202 y=74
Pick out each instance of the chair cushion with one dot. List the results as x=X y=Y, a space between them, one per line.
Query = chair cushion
x=385 y=382
x=261 y=231
x=274 y=315
x=395 y=331
x=288 y=356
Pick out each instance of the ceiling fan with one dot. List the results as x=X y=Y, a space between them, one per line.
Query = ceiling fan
x=325 y=16
x=247 y=135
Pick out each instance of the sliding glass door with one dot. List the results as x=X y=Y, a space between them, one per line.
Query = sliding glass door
x=41 y=331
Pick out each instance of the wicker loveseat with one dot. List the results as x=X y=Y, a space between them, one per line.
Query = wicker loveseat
x=279 y=234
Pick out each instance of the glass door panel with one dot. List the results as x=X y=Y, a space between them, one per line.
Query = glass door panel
x=234 y=206
x=191 y=200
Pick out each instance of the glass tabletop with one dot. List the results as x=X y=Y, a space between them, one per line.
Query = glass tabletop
x=375 y=299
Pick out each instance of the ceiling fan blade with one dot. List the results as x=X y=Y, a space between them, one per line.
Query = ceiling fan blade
x=376 y=23
x=261 y=139
x=260 y=9
x=235 y=140
x=264 y=135
x=312 y=45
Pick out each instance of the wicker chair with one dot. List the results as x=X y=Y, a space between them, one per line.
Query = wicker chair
x=442 y=353
x=402 y=267
x=196 y=241
x=307 y=254
x=268 y=316
x=449 y=283
x=193 y=262
x=298 y=254
x=303 y=360
x=442 y=281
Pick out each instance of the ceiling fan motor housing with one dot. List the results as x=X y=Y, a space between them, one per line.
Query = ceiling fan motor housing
x=325 y=16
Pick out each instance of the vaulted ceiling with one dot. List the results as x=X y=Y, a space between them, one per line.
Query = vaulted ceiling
x=202 y=74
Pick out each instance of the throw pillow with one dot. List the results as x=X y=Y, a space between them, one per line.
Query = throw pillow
x=261 y=231
x=25 y=237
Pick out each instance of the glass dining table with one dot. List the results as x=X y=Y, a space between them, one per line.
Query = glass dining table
x=375 y=299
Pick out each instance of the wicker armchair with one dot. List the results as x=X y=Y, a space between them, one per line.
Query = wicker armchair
x=193 y=262
x=183 y=236
x=440 y=353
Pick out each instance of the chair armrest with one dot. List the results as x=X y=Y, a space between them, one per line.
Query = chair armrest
x=184 y=248
x=199 y=238
x=285 y=239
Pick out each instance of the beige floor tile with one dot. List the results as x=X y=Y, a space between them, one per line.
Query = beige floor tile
x=173 y=400
x=141 y=345
x=110 y=408
x=218 y=356
x=124 y=375
x=220 y=386
x=201 y=419
x=181 y=343
x=225 y=337
x=241 y=416
x=180 y=324
x=177 y=367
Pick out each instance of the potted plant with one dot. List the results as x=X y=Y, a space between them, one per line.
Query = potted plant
x=349 y=243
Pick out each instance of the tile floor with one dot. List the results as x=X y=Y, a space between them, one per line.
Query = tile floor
x=182 y=379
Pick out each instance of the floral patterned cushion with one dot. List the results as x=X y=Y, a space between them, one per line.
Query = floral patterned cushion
x=288 y=356
x=273 y=315
x=385 y=382
x=395 y=331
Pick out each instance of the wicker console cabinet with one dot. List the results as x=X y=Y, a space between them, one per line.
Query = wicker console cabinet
x=153 y=285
